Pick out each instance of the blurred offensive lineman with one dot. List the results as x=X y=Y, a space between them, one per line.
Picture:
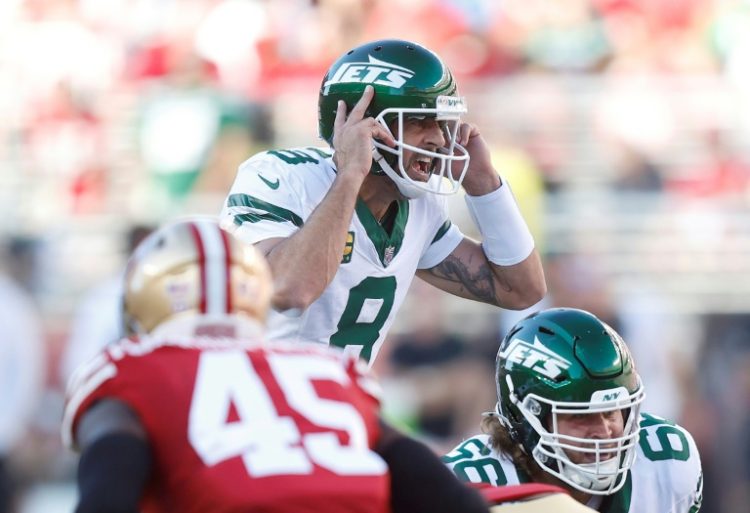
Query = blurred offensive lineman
x=193 y=413
x=347 y=227
x=568 y=414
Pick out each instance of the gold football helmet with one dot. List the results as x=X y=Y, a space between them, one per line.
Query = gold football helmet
x=557 y=502
x=531 y=498
x=193 y=278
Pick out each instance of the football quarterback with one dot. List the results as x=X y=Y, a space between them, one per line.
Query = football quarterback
x=569 y=413
x=346 y=227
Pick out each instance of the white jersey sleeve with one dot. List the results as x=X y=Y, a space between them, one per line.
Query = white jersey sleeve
x=269 y=197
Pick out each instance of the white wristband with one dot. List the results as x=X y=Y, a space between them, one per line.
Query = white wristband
x=506 y=240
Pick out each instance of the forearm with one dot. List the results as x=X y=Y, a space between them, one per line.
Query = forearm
x=305 y=263
x=469 y=274
x=521 y=285
x=504 y=269
x=508 y=247
x=112 y=474
x=115 y=459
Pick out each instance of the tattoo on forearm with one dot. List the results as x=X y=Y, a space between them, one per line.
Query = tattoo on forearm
x=480 y=282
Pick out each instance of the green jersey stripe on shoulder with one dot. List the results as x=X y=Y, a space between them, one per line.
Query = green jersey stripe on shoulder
x=323 y=153
x=263 y=211
x=293 y=157
x=441 y=231
x=299 y=156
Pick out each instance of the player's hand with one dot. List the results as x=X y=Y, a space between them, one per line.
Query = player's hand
x=481 y=177
x=353 y=135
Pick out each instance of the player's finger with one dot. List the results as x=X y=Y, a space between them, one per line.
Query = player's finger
x=466 y=132
x=340 y=115
x=379 y=132
x=463 y=134
x=358 y=112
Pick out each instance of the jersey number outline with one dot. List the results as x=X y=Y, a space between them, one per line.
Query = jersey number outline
x=666 y=434
x=665 y=448
x=486 y=469
x=365 y=334
x=268 y=443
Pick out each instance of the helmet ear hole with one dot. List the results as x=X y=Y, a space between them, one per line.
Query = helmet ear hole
x=512 y=422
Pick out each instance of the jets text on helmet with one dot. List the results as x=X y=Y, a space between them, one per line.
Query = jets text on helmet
x=373 y=72
x=535 y=357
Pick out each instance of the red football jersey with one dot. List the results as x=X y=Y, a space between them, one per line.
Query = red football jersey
x=285 y=428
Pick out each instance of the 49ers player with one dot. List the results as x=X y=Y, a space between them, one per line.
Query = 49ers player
x=194 y=413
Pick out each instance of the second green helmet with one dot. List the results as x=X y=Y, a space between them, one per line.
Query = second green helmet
x=565 y=361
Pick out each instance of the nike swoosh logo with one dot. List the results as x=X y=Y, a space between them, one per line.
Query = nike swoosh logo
x=272 y=185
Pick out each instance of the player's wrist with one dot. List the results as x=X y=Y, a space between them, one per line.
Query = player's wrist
x=350 y=177
x=481 y=183
x=506 y=239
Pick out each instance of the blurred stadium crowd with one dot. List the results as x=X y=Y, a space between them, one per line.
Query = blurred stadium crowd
x=623 y=125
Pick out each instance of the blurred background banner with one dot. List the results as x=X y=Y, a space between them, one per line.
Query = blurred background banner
x=623 y=126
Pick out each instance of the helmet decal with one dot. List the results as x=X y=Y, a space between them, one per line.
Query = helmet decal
x=536 y=357
x=373 y=72
x=605 y=396
x=450 y=107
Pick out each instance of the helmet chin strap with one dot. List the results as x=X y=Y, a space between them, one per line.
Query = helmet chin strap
x=406 y=188
x=587 y=475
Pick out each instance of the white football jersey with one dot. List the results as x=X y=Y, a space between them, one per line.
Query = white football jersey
x=666 y=476
x=273 y=195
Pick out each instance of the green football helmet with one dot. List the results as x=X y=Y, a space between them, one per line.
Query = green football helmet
x=409 y=81
x=567 y=361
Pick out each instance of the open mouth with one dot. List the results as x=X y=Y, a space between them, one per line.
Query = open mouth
x=421 y=169
x=603 y=456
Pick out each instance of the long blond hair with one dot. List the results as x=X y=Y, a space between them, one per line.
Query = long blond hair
x=501 y=441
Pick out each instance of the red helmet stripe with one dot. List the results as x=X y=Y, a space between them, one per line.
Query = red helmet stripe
x=227 y=269
x=201 y=265
x=215 y=269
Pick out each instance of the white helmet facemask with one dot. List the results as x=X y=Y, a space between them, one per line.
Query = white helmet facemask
x=609 y=459
x=442 y=179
